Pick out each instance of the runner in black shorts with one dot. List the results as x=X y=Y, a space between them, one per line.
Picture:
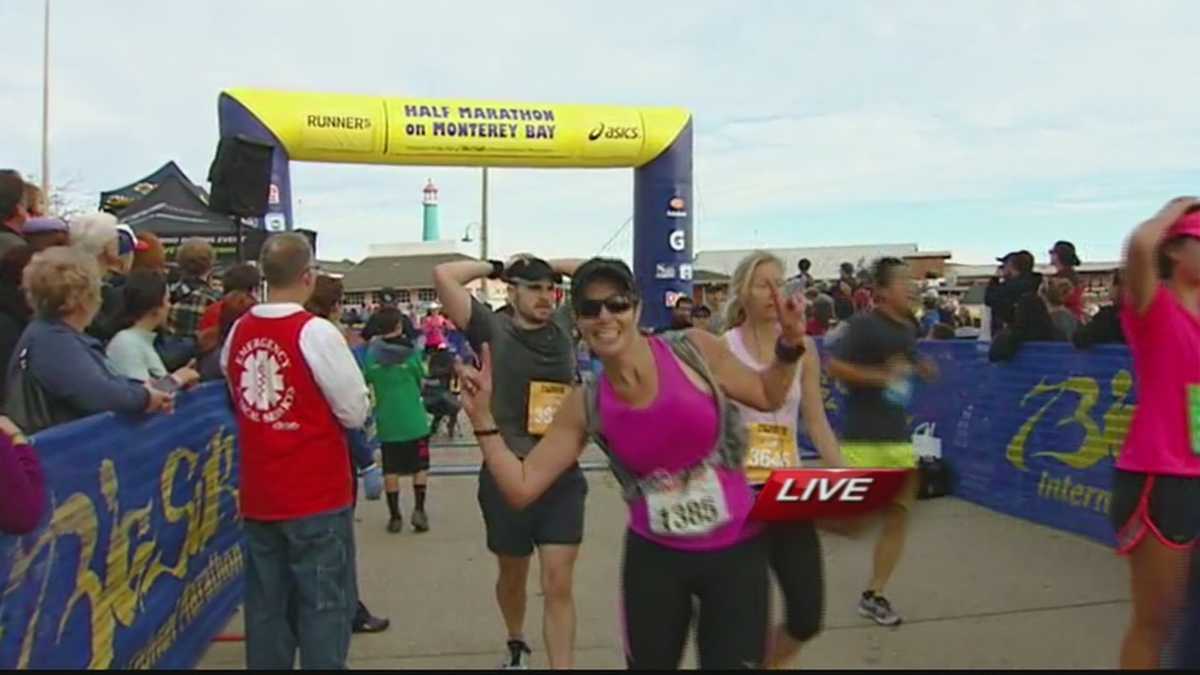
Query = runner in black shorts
x=1156 y=491
x=535 y=368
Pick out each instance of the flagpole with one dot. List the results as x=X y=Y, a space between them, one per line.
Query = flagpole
x=46 y=104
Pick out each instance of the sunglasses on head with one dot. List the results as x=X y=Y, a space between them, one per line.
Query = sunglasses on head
x=615 y=304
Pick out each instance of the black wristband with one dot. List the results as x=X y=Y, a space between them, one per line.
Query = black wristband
x=788 y=354
x=486 y=432
x=497 y=269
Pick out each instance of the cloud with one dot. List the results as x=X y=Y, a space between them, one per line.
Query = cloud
x=1033 y=110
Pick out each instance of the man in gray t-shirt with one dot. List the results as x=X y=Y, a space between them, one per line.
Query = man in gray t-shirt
x=534 y=363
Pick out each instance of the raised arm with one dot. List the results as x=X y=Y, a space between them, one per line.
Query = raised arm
x=812 y=409
x=522 y=482
x=1141 y=251
x=566 y=266
x=451 y=279
x=766 y=390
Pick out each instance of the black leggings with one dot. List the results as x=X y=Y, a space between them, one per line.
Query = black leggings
x=658 y=586
x=795 y=554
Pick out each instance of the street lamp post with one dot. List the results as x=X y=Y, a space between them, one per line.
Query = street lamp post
x=46 y=104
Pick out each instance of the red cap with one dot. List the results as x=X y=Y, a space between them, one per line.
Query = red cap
x=1188 y=225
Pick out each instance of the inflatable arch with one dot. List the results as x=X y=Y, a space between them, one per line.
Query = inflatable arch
x=347 y=129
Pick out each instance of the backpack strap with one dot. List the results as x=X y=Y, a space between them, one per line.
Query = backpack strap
x=591 y=408
x=732 y=443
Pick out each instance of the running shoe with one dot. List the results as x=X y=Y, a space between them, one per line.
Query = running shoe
x=420 y=521
x=395 y=524
x=518 y=656
x=878 y=609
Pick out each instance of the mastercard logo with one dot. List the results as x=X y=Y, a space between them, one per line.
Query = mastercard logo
x=677 y=204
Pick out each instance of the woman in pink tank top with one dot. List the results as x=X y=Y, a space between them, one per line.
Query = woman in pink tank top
x=1156 y=490
x=664 y=425
x=793 y=548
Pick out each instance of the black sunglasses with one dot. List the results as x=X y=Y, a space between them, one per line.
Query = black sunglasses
x=615 y=304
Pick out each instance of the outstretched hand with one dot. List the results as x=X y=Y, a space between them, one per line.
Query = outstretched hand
x=476 y=386
x=790 y=311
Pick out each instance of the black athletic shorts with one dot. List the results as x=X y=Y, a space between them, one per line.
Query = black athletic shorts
x=1166 y=506
x=794 y=551
x=404 y=458
x=555 y=518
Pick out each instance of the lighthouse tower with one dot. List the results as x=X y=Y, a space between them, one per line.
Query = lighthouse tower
x=430 y=202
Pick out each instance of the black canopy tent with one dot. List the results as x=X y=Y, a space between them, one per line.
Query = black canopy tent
x=115 y=201
x=174 y=208
x=174 y=211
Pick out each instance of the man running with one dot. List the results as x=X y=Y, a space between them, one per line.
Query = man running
x=534 y=361
x=877 y=359
x=296 y=390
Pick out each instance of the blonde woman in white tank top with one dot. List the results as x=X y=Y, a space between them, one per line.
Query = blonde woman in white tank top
x=795 y=549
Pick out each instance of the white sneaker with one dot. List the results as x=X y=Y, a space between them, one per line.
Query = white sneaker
x=518 y=656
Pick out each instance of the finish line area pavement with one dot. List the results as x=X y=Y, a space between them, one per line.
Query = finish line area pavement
x=976 y=589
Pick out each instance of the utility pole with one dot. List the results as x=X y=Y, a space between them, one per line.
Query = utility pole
x=46 y=105
x=483 y=221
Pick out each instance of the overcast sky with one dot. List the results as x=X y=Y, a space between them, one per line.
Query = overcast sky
x=974 y=126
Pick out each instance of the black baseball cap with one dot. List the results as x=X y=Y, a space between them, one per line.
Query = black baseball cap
x=531 y=270
x=1065 y=251
x=610 y=269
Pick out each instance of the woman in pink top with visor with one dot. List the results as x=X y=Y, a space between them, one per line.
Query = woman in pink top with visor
x=663 y=412
x=1156 y=490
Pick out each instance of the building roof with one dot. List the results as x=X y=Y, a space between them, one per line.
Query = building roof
x=399 y=272
x=709 y=277
x=983 y=271
x=341 y=267
x=826 y=260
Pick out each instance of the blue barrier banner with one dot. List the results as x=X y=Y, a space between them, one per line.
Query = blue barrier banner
x=1034 y=438
x=139 y=561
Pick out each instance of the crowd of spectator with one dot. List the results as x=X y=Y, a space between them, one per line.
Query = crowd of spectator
x=1025 y=306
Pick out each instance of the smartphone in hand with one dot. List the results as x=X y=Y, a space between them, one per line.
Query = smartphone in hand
x=167 y=385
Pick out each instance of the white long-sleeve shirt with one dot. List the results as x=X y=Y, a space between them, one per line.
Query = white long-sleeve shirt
x=329 y=358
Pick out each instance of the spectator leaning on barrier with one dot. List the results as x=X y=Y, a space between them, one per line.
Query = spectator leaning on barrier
x=193 y=293
x=1064 y=259
x=1105 y=327
x=58 y=373
x=131 y=351
x=22 y=484
x=1031 y=323
x=97 y=236
x=1015 y=280
x=43 y=233
x=12 y=210
x=1055 y=292
x=296 y=390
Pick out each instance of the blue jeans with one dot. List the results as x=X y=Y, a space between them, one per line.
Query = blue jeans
x=300 y=592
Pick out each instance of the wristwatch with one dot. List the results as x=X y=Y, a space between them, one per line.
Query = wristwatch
x=789 y=354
